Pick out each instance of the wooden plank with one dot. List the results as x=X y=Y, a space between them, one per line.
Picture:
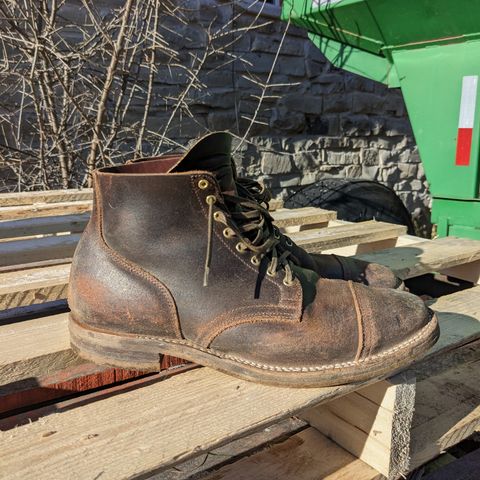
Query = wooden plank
x=32 y=250
x=167 y=422
x=176 y=419
x=317 y=240
x=9 y=422
x=69 y=195
x=351 y=250
x=33 y=286
x=62 y=246
x=43 y=225
x=77 y=378
x=308 y=455
x=45 y=196
x=50 y=283
x=468 y=271
x=40 y=348
x=33 y=348
x=286 y=217
x=275 y=204
x=76 y=223
x=374 y=423
x=447 y=411
x=66 y=196
x=201 y=465
x=386 y=392
x=37 y=249
x=374 y=432
x=426 y=418
x=44 y=210
x=417 y=259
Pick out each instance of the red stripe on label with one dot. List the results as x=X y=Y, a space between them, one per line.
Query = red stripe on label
x=464 y=146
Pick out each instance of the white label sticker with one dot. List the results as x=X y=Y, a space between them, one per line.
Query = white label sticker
x=468 y=102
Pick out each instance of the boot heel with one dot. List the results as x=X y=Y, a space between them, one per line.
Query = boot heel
x=124 y=351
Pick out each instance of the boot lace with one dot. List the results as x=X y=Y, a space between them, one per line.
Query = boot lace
x=252 y=189
x=252 y=224
x=257 y=192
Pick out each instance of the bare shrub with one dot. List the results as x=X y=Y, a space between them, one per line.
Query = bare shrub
x=87 y=83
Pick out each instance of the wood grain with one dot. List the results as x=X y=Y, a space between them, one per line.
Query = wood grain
x=377 y=433
x=10 y=229
x=302 y=216
x=140 y=430
x=373 y=432
x=44 y=210
x=178 y=418
x=317 y=240
x=37 y=249
x=307 y=455
x=36 y=347
x=201 y=465
x=48 y=283
x=447 y=411
x=416 y=259
x=33 y=286
x=397 y=425
x=45 y=196
x=79 y=377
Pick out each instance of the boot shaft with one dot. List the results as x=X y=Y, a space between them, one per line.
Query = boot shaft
x=159 y=227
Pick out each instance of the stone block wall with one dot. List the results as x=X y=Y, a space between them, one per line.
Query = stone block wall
x=297 y=119
x=329 y=122
x=314 y=120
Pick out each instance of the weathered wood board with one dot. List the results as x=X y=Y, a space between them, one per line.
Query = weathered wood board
x=178 y=418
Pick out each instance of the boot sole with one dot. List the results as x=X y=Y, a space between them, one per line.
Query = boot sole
x=144 y=353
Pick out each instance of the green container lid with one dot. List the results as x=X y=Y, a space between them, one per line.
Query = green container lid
x=379 y=25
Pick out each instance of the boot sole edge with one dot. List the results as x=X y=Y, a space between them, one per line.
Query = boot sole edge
x=144 y=353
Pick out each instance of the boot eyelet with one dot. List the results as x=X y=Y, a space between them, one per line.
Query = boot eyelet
x=203 y=184
x=288 y=242
x=255 y=260
x=228 y=233
x=271 y=274
x=276 y=234
x=211 y=199
x=287 y=283
x=217 y=216
x=240 y=247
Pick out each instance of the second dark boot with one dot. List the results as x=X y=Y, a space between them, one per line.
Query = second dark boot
x=213 y=153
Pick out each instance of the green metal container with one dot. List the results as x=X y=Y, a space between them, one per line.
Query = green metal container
x=431 y=50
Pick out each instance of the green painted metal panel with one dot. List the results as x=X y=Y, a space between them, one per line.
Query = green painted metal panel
x=377 y=24
x=431 y=82
x=431 y=49
x=328 y=19
x=465 y=232
x=357 y=61
x=452 y=214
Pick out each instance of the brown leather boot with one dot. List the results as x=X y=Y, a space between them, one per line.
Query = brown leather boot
x=172 y=263
x=326 y=265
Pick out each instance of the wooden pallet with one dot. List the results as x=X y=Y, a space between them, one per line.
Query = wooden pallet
x=146 y=426
x=35 y=253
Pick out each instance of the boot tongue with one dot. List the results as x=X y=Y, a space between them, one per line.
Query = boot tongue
x=212 y=153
